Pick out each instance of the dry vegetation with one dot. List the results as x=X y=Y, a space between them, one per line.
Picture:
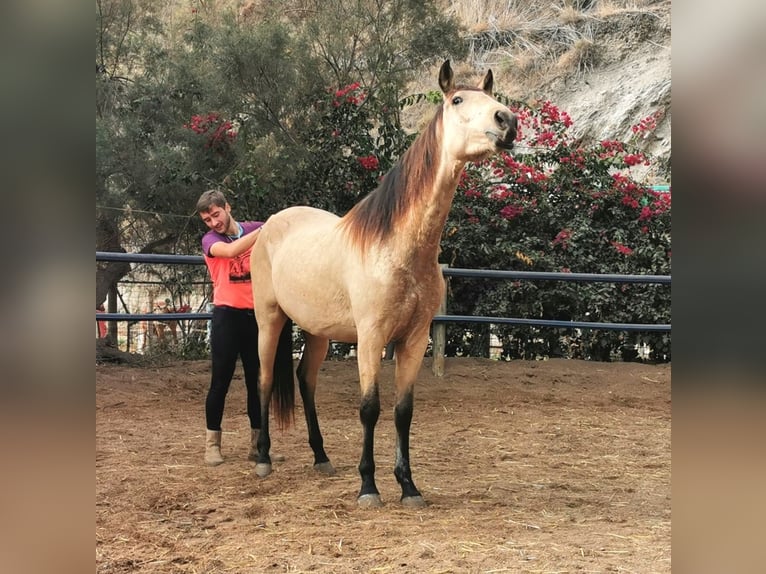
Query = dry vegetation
x=535 y=41
x=564 y=51
x=606 y=62
x=527 y=467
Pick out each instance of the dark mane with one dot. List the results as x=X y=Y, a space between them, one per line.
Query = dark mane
x=374 y=218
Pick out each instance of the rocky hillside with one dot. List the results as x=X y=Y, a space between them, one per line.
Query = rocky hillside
x=629 y=80
x=606 y=62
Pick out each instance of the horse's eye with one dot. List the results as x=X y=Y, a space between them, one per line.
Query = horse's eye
x=456 y=100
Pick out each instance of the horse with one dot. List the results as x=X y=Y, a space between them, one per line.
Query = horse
x=159 y=327
x=370 y=277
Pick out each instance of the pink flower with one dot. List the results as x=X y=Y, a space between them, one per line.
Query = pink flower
x=624 y=249
x=647 y=125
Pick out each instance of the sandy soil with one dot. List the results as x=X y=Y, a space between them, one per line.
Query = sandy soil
x=550 y=466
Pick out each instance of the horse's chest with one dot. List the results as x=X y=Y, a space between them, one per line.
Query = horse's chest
x=409 y=294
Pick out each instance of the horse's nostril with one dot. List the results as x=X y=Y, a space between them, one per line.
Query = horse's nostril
x=506 y=120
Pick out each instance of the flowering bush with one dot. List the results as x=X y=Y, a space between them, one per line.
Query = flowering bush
x=352 y=144
x=218 y=133
x=559 y=205
x=211 y=146
x=554 y=205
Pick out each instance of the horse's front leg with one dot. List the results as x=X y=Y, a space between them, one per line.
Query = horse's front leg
x=369 y=356
x=409 y=358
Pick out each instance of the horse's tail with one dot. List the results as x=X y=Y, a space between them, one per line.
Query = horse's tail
x=283 y=389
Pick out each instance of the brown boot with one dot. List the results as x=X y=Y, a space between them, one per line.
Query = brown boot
x=213 y=448
x=253 y=454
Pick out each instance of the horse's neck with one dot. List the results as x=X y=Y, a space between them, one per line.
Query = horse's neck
x=424 y=225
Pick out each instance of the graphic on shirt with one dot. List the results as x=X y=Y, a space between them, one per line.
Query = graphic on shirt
x=239 y=268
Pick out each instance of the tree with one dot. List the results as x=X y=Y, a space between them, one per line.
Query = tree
x=212 y=98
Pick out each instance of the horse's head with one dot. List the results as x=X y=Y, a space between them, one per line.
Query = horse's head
x=475 y=124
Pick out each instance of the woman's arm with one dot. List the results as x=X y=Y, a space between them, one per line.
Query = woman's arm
x=236 y=247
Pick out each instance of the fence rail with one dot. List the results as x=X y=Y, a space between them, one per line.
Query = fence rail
x=554 y=276
x=441 y=317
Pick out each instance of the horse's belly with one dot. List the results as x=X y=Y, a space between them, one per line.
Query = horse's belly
x=308 y=288
x=318 y=313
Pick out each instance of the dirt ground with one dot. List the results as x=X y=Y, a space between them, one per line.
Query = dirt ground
x=548 y=466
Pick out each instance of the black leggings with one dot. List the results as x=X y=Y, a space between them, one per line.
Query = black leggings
x=234 y=333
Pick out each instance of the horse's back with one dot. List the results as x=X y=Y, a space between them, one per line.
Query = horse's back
x=297 y=219
x=301 y=214
x=301 y=266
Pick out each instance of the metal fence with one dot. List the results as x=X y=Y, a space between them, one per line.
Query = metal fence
x=439 y=335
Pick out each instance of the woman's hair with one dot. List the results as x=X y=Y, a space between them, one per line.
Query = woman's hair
x=210 y=198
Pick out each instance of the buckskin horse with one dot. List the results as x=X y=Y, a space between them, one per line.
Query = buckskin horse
x=370 y=277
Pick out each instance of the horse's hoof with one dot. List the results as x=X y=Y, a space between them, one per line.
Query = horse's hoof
x=413 y=501
x=369 y=501
x=263 y=469
x=325 y=468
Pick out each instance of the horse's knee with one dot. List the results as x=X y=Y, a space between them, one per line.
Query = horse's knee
x=369 y=409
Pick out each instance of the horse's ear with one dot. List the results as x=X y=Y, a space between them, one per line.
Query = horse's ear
x=446 y=78
x=487 y=83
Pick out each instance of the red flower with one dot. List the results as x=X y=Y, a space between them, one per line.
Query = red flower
x=647 y=125
x=632 y=159
x=563 y=238
x=646 y=213
x=219 y=133
x=511 y=211
x=369 y=162
x=341 y=93
x=624 y=249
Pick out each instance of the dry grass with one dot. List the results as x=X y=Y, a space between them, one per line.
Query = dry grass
x=607 y=8
x=570 y=15
x=580 y=58
x=483 y=15
x=527 y=467
x=535 y=43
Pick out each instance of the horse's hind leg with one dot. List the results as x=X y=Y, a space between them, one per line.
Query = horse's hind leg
x=314 y=353
x=268 y=339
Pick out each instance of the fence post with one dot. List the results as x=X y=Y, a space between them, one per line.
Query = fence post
x=440 y=333
x=111 y=307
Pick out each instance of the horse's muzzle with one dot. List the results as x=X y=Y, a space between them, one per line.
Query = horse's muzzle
x=507 y=124
x=504 y=141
